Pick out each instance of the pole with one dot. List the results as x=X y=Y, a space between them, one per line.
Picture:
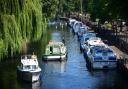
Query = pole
x=81 y=8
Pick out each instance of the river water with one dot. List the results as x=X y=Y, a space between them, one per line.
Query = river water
x=70 y=74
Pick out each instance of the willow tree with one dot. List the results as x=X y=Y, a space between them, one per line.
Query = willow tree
x=20 y=21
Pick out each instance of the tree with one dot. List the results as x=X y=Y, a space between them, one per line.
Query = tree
x=50 y=8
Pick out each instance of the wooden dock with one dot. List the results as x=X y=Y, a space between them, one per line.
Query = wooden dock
x=118 y=52
x=122 y=56
x=122 y=61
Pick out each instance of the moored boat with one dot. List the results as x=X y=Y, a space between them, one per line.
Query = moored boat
x=85 y=38
x=82 y=30
x=29 y=69
x=93 y=41
x=101 y=57
x=71 y=22
x=55 y=51
x=76 y=26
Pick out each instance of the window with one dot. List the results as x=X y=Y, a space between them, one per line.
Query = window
x=34 y=67
x=27 y=67
x=110 y=53
x=98 y=53
x=91 y=51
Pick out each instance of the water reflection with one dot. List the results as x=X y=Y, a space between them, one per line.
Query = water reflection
x=26 y=85
x=53 y=67
x=56 y=36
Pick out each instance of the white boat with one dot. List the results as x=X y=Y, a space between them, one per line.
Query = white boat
x=85 y=37
x=29 y=69
x=71 y=22
x=76 y=26
x=101 y=57
x=82 y=30
x=93 y=41
x=55 y=51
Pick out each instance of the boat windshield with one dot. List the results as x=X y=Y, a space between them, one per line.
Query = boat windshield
x=29 y=67
x=98 y=53
x=110 y=53
x=26 y=57
x=104 y=53
x=34 y=67
x=56 y=50
x=95 y=38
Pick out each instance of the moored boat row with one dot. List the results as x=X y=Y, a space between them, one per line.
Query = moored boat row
x=98 y=55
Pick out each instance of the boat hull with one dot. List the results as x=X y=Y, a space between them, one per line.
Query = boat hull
x=102 y=64
x=54 y=57
x=29 y=76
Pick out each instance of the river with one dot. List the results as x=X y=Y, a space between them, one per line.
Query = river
x=70 y=74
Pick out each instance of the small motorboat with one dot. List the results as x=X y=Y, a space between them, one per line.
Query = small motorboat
x=77 y=26
x=81 y=31
x=55 y=51
x=101 y=57
x=29 y=69
x=71 y=22
x=85 y=38
x=93 y=41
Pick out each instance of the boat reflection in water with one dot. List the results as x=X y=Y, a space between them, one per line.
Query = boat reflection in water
x=28 y=85
x=51 y=67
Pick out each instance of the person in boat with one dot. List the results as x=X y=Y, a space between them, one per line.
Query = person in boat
x=51 y=49
x=63 y=39
x=33 y=56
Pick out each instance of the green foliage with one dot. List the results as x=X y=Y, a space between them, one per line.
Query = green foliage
x=50 y=7
x=73 y=5
x=118 y=8
x=20 y=21
x=108 y=9
x=98 y=9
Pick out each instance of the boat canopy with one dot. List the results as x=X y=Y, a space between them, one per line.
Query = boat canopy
x=53 y=43
x=29 y=60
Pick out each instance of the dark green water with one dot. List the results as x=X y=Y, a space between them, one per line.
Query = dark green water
x=71 y=74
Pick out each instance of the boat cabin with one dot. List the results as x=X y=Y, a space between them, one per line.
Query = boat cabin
x=29 y=62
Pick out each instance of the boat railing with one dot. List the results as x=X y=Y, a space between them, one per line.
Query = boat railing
x=28 y=57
